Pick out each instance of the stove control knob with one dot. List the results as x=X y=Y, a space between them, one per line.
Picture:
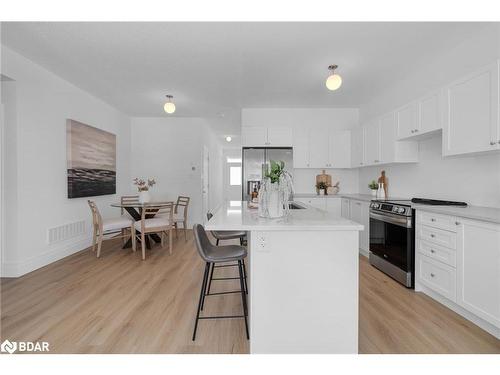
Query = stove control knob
x=401 y=210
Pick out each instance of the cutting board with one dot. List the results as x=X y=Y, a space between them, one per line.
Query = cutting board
x=383 y=180
x=323 y=177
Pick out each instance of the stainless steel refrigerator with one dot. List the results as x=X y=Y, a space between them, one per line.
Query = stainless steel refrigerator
x=255 y=162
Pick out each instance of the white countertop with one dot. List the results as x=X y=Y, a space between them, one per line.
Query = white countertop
x=489 y=214
x=235 y=215
x=314 y=195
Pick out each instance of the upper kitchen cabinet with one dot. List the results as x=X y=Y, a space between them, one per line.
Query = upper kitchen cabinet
x=372 y=143
x=357 y=147
x=322 y=148
x=406 y=120
x=471 y=119
x=340 y=149
x=420 y=118
x=392 y=150
x=266 y=137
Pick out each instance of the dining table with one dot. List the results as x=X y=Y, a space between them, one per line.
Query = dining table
x=134 y=209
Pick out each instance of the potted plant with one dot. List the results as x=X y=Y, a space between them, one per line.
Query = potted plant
x=374 y=187
x=143 y=188
x=275 y=191
x=321 y=188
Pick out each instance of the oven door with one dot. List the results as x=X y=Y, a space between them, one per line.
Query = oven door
x=391 y=239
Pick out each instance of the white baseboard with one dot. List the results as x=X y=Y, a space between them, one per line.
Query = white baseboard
x=17 y=269
x=488 y=327
x=364 y=252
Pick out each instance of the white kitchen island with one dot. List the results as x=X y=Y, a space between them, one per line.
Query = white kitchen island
x=302 y=279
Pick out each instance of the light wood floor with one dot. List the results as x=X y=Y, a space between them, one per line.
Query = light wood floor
x=120 y=304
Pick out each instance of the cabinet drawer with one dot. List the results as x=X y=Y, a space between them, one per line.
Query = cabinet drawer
x=437 y=252
x=437 y=236
x=438 y=277
x=437 y=220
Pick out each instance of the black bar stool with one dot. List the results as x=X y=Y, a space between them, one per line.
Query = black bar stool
x=218 y=254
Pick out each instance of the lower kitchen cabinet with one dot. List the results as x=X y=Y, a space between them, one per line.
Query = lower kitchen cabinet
x=330 y=204
x=478 y=266
x=460 y=262
x=315 y=202
x=359 y=211
x=344 y=211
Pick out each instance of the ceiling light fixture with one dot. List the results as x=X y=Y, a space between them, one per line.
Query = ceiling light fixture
x=334 y=81
x=228 y=139
x=169 y=107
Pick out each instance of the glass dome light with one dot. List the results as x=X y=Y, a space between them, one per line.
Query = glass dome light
x=169 y=107
x=334 y=81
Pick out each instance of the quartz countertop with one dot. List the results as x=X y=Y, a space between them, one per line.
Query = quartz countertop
x=489 y=214
x=359 y=197
x=235 y=215
x=314 y=195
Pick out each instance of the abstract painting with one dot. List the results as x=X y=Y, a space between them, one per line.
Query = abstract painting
x=91 y=156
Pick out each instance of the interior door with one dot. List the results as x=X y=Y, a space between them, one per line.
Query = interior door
x=205 y=181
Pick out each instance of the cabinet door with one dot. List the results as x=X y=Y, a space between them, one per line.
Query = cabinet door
x=355 y=209
x=301 y=148
x=357 y=147
x=319 y=148
x=471 y=113
x=406 y=120
x=254 y=137
x=372 y=143
x=345 y=208
x=387 y=137
x=478 y=267
x=429 y=113
x=279 y=137
x=340 y=149
x=333 y=205
x=364 y=239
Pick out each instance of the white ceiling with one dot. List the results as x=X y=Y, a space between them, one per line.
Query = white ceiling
x=215 y=69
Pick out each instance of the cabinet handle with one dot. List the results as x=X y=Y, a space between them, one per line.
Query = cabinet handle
x=492 y=143
x=416 y=130
x=432 y=219
x=432 y=251
x=432 y=275
x=433 y=236
x=457 y=222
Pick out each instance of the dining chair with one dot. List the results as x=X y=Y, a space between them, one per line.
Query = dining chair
x=180 y=214
x=127 y=199
x=156 y=218
x=104 y=227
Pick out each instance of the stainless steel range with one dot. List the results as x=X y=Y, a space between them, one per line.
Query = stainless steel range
x=392 y=239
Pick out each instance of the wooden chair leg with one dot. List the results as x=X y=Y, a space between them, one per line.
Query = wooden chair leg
x=123 y=236
x=185 y=231
x=94 y=239
x=162 y=239
x=132 y=236
x=176 y=234
x=170 y=241
x=143 y=245
x=99 y=245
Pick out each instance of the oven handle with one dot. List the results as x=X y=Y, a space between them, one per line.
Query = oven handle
x=392 y=219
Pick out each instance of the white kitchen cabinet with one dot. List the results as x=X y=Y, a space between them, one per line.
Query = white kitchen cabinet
x=339 y=149
x=319 y=143
x=266 y=137
x=301 y=148
x=372 y=143
x=387 y=137
x=345 y=208
x=478 y=269
x=333 y=205
x=357 y=147
x=254 y=136
x=406 y=120
x=471 y=119
x=279 y=137
x=429 y=113
x=359 y=212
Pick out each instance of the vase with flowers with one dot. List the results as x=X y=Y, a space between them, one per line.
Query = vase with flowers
x=275 y=191
x=143 y=187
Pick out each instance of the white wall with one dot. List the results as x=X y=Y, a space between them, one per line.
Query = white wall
x=170 y=150
x=296 y=118
x=36 y=138
x=474 y=179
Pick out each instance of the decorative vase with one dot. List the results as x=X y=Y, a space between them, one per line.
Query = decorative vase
x=321 y=191
x=144 y=197
x=374 y=193
x=275 y=204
